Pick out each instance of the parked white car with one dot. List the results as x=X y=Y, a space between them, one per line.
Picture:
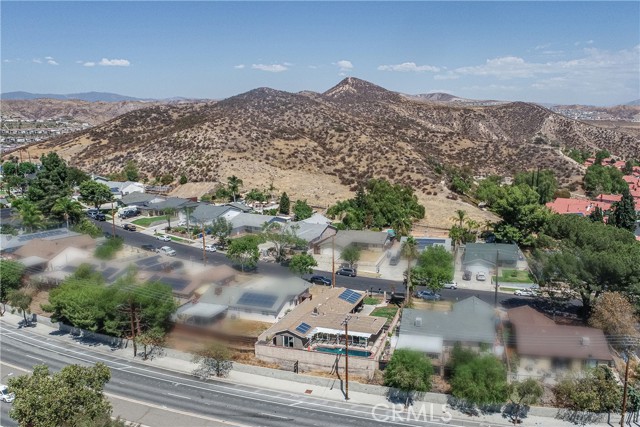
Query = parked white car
x=163 y=238
x=451 y=285
x=182 y=223
x=525 y=292
x=167 y=251
x=481 y=277
x=210 y=248
x=5 y=396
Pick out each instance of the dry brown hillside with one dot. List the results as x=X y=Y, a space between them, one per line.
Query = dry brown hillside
x=337 y=139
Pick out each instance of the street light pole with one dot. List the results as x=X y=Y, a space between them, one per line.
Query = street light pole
x=495 y=299
x=204 y=246
x=624 y=393
x=346 y=357
x=113 y=219
x=333 y=261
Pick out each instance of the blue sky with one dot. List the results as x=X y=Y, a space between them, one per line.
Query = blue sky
x=557 y=52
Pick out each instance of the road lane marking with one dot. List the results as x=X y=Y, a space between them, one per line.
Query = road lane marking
x=280 y=417
x=180 y=396
x=33 y=357
x=295 y=403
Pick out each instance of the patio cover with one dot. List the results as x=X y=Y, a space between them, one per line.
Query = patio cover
x=319 y=330
x=203 y=309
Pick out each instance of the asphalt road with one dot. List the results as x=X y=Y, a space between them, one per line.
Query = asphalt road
x=191 y=253
x=215 y=400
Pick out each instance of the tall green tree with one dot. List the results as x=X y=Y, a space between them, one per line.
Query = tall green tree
x=482 y=380
x=543 y=181
x=302 y=264
x=434 y=268
x=302 y=210
x=213 y=360
x=522 y=215
x=283 y=237
x=244 y=251
x=594 y=391
x=409 y=371
x=130 y=171
x=70 y=397
x=597 y=215
x=603 y=179
x=95 y=193
x=351 y=254
x=489 y=190
x=624 y=212
x=169 y=213
x=11 y=275
x=409 y=251
x=233 y=185
x=67 y=209
x=51 y=183
x=20 y=301
x=460 y=217
x=221 y=229
x=601 y=155
x=285 y=204
x=32 y=218
x=255 y=195
x=523 y=394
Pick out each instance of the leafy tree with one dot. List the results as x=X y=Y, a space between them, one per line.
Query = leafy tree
x=183 y=179
x=482 y=380
x=614 y=314
x=489 y=190
x=580 y=156
x=302 y=264
x=75 y=177
x=522 y=215
x=603 y=179
x=624 y=212
x=601 y=155
x=284 y=205
x=61 y=399
x=542 y=181
x=408 y=371
x=87 y=227
x=244 y=251
x=233 y=184
x=95 y=193
x=152 y=342
x=67 y=209
x=20 y=301
x=223 y=193
x=302 y=210
x=594 y=391
x=590 y=258
x=434 y=268
x=283 y=238
x=409 y=250
x=524 y=393
x=351 y=254
x=30 y=215
x=256 y=195
x=214 y=360
x=52 y=182
x=628 y=167
x=379 y=204
x=221 y=229
x=166 y=179
x=460 y=217
x=11 y=275
x=169 y=212
x=108 y=249
x=597 y=215
x=130 y=171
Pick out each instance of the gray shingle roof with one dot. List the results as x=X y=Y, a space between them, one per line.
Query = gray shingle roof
x=487 y=252
x=250 y=220
x=241 y=206
x=207 y=213
x=307 y=231
x=171 y=203
x=137 y=198
x=471 y=320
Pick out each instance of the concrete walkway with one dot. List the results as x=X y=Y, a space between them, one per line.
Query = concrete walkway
x=326 y=388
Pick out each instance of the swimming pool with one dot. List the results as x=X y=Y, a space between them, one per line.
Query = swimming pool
x=359 y=353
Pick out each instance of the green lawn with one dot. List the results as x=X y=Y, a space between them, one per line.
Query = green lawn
x=371 y=301
x=387 y=312
x=179 y=239
x=146 y=222
x=515 y=276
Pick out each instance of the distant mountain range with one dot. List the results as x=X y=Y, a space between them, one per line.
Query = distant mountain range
x=84 y=96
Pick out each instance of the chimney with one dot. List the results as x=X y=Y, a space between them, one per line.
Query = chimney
x=585 y=341
x=418 y=322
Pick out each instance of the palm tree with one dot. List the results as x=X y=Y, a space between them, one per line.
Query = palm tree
x=169 y=213
x=409 y=251
x=30 y=215
x=234 y=183
x=460 y=217
x=67 y=208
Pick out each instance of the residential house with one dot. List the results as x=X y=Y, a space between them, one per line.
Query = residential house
x=251 y=223
x=266 y=299
x=137 y=198
x=423 y=243
x=11 y=244
x=376 y=241
x=471 y=323
x=311 y=232
x=175 y=204
x=481 y=257
x=208 y=214
x=240 y=206
x=120 y=188
x=545 y=347
x=580 y=207
x=317 y=218
x=313 y=335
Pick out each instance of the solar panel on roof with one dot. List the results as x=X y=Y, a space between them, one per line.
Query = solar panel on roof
x=255 y=299
x=350 y=296
x=303 y=328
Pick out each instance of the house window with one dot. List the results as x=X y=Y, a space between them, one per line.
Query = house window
x=287 y=341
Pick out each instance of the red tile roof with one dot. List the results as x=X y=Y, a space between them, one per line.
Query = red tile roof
x=563 y=205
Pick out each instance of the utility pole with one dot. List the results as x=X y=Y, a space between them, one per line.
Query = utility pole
x=495 y=299
x=345 y=322
x=204 y=246
x=113 y=220
x=132 y=312
x=624 y=393
x=333 y=261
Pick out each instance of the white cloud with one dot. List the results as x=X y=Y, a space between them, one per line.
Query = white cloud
x=48 y=57
x=344 y=65
x=409 y=67
x=448 y=76
x=89 y=64
x=239 y=66
x=313 y=67
x=52 y=62
x=287 y=64
x=273 y=68
x=114 y=62
x=37 y=60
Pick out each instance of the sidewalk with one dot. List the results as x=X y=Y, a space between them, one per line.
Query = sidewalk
x=318 y=387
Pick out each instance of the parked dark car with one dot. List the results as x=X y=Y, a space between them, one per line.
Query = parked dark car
x=320 y=280
x=101 y=217
x=130 y=227
x=466 y=275
x=347 y=272
x=149 y=248
x=428 y=295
